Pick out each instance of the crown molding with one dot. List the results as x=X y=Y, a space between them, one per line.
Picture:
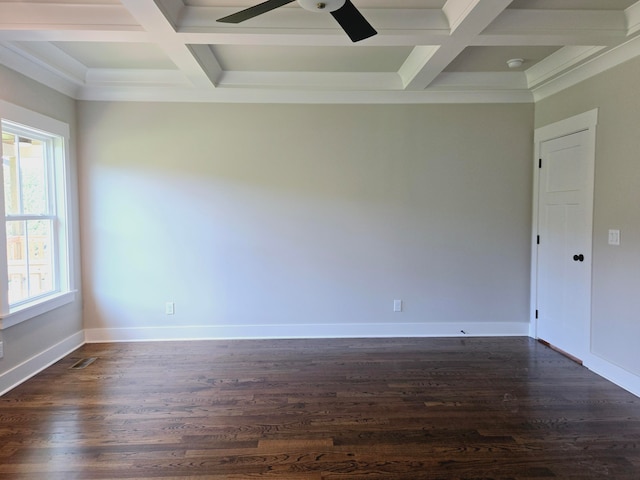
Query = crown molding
x=290 y=96
x=37 y=72
x=601 y=63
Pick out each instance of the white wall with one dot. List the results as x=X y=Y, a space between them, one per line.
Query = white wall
x=297 y=220
x=616 y=270
x=31 y=345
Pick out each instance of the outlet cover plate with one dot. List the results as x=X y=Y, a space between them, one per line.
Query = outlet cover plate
x=397 y=305
x=614 y=237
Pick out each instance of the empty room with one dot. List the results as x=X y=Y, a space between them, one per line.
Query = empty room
x=320 y=240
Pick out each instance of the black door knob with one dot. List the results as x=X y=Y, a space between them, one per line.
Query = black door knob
x=578 y=258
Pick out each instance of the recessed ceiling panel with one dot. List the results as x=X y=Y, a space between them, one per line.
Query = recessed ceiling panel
x=310 y=59
x=117 y=55
x=494 y=59
x=572 y=4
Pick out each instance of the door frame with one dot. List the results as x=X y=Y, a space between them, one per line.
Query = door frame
x=586 y=121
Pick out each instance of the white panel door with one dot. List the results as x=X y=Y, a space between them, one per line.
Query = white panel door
x=565 y=200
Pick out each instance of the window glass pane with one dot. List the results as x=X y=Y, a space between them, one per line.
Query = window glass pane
x=25 y=181
x=30 y=263
x=33 y=176
x=10 y=170
x=17 y=262
x=40 y=259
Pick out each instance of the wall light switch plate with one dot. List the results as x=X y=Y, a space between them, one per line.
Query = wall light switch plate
x=614 y=237
x=397 y=305
x=1 y=349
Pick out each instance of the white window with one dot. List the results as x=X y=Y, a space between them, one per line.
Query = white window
x=36 y=269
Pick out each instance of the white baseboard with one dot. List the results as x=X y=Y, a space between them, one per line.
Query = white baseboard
x=354 y=330
x=610 y=371
x=27 y=369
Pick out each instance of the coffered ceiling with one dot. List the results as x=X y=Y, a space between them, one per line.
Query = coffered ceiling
x=425 y=50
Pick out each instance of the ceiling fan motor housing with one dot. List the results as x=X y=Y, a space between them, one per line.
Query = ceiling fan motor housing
x=321 y=6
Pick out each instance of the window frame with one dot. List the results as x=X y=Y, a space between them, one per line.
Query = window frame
x=41 y=126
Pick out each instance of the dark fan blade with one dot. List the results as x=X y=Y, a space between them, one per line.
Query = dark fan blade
x=353 y=23
x=254 y=11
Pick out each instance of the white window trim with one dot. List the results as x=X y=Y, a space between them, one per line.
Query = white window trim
x=39 y=306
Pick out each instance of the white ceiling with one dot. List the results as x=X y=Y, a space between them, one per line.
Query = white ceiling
x=425 y=50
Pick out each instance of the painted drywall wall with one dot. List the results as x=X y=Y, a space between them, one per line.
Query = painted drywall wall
x=616 y=269
x=297 y=220
x=32 y=344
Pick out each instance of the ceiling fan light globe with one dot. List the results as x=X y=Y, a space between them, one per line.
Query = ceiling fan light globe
x=321 y=5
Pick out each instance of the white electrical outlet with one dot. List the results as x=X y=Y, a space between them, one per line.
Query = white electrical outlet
x=170 y=308
x=614 y=237
x=1 y=349
x=397 y=305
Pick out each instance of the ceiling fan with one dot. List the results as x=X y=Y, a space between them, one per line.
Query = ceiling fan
x=345 y=13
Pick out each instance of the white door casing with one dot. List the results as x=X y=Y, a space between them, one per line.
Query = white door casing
x=563 y=224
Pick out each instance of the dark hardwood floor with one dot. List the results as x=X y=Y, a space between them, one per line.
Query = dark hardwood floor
x=411 y=409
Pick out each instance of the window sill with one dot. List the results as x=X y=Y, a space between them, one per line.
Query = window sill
x=30 y=310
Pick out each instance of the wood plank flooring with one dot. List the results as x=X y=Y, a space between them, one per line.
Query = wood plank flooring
x=376 y=409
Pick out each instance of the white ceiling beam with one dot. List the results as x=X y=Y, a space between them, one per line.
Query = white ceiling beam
x=433 y=66
x=172 y=11
x=416 y=62
x=470 y=18
x=33 y=16
x=162 y=31
x=632 y=16
x=457 y=11
x=207 y=61
x=301 y=37
x=77 y=35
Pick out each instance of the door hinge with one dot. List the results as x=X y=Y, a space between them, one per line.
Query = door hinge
x=536 y=313
x=539 y=163
x=538 y=240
